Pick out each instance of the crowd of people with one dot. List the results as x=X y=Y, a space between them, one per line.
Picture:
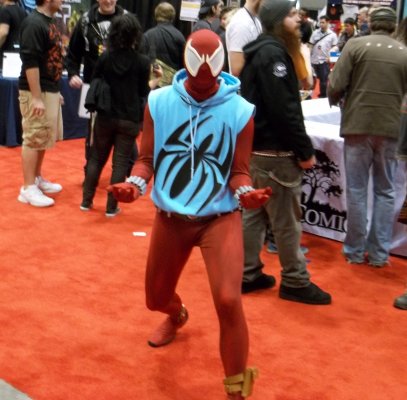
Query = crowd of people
x=220 y=174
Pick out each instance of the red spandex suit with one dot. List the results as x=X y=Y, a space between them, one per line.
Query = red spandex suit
x=201 y=179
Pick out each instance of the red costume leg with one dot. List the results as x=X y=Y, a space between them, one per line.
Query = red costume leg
x=222 y=249
x=170 y=248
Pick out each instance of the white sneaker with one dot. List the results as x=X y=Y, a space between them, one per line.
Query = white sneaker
x=33 y=195
x=47 y=186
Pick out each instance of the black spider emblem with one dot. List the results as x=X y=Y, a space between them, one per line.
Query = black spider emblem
x=213 y=155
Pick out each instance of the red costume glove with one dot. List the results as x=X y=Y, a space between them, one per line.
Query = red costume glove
x=124 y=192
x=255 y=198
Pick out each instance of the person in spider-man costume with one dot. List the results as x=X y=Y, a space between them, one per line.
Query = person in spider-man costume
x=196 y=142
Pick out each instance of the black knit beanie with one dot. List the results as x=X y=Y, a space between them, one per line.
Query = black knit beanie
x=274 y=11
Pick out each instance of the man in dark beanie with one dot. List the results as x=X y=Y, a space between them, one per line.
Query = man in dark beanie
x=281 y=150
x=370 y=79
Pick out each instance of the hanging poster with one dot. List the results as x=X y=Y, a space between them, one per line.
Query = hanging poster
x=69 y=15
x=189 y=10
x=29 y=5
x=368 y=3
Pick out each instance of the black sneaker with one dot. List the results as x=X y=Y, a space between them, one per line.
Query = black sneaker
x=401 y=302
x=86 y=206
x=111 y=214
x=264 y=281
x=310 y=294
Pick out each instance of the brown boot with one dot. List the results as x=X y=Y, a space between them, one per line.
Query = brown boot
x=240 y=386
x=167 y=330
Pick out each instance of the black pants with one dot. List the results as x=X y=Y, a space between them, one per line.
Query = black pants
x=322 y=72
x=109 y=134
x=133 y=155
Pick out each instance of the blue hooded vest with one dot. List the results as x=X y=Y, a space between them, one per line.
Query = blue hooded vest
x=194 y=145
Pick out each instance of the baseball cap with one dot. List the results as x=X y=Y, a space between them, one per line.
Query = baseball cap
x=383 y=14
x=206 y=5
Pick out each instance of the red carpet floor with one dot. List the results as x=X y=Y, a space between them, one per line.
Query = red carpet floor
x=73 y=324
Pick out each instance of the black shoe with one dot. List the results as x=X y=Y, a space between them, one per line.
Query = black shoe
x=401 y=302
x=310 y=294
x=264 y=281
x=86 y=206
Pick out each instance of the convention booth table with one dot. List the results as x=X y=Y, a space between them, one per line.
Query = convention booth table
x=10 y=117
x=324 y=190
x=318 y=110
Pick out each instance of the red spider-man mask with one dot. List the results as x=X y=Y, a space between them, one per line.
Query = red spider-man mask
x=203 y=57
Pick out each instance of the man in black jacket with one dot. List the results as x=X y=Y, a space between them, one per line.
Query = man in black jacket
x=88 y=40
x=164 y=43
x=87 y=43
x=281 y=150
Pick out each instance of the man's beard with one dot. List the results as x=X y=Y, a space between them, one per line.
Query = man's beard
x=257 y=7
x=291 y=40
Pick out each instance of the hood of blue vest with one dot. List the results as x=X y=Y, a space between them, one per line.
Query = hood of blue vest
x=228 y=86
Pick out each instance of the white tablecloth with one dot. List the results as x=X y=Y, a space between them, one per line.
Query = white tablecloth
x=318 y=110
x=324 y=194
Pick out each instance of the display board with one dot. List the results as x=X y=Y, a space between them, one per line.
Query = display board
x=403 y=9
x=387 y=3
x=189 y=10
x=313 y=4
x=71 y=11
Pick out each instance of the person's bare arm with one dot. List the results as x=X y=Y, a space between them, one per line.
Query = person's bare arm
x=4 y=30
x=75 y=82
x=236 y=62
x=33 y=78
x=307 y=164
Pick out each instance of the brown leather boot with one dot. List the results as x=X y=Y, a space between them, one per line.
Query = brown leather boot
x=167 y=330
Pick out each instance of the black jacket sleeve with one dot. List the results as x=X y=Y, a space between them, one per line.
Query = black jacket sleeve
x=33 y=41
x=76 y=50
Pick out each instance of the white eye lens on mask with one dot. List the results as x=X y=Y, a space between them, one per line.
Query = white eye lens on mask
x=194 y=61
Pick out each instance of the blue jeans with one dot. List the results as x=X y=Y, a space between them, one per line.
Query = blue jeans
x=322 y=72
x=369 y=156
x=283 y=211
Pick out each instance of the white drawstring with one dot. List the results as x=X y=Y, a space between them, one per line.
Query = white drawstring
x=192 y=133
